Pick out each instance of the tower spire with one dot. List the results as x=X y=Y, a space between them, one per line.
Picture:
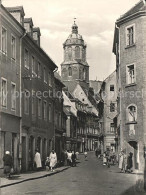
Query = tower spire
x=75 y=20
x=75 y=27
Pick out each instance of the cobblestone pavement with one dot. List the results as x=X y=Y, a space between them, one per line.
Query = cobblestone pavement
x=89 y=177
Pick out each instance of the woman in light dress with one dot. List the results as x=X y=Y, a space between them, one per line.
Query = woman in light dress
x=37 y=160
x=53 y=160
x=104 y=158
x=69 y=158
x=121 y=160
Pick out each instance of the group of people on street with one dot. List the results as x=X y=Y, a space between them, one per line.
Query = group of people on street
x=125 y=162
x=109 y=157
x=69 y=158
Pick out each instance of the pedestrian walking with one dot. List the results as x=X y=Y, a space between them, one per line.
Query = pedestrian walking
x=47 y=163
x=121 y=160
x=104 y=158
x=37 y=160
x=69 y=158
x=99 y=152
x=53 y=160
x=65 y=157
x=73 y=159
x=124 y=162
x=77 y=155
x=108 y=157
x=85 y=154
x=8 y=164
x=129 y=162
x=112 y=156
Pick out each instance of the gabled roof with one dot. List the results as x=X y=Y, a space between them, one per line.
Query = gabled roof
x=16 y=9
x=71 y=85
x=28 y=20
x=140 y=6
x=58 y=78
x=37 y=29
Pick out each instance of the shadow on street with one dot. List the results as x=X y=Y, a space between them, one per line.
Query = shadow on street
x=137 y=189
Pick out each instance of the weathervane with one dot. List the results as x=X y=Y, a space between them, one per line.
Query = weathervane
x=75 y=20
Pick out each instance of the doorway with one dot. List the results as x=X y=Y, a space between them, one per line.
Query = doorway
x=23 y=163
x=134 y=149
x=14 y=150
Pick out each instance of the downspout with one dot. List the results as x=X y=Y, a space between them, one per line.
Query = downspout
x=20 y=73
x=54 y=115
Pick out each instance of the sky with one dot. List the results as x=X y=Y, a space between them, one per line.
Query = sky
x=95 y=19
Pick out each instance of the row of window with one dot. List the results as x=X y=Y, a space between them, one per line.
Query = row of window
x=69 y=55
x=82 y=73
x=42 y=106
x=4 y=96
x=130 y=41
x=4 y=43
x=92 y=131
x=37 y=68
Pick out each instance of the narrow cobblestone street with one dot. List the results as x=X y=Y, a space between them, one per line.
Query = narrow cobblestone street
x=89 y=177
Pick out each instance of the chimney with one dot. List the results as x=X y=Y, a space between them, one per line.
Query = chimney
x=28 y=25
x=17 y=13
x=36 y=35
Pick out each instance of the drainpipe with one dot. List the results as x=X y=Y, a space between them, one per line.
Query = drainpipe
x=20 y=73
x=54 y=116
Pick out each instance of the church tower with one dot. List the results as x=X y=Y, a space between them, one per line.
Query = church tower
x=75 y=66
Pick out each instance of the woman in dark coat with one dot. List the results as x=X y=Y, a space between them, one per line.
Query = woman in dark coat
x=8 y=163
x=73 y=159
x=129 y=162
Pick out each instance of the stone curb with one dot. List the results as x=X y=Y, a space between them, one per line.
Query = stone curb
x=33 y=178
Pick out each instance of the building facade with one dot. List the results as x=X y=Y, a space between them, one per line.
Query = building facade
x=109 y=96
x=28 y=86
x=129 y=48
x=11 y=33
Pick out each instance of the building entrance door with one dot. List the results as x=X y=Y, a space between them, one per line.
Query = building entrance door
x=134 y=150
x=31 y=153
x=14 y=151
x=23 y=154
